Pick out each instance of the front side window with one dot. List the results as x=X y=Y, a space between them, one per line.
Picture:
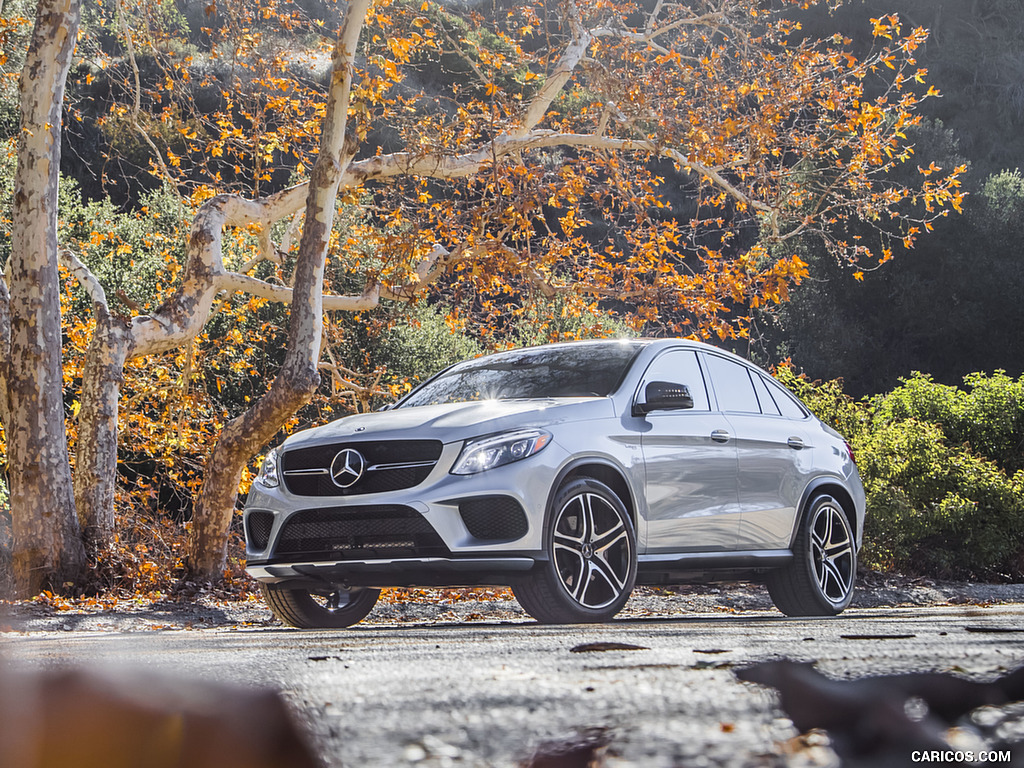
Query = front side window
x=680 y=367
x=573 y=370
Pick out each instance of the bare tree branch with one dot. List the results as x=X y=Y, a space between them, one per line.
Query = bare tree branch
x=137 y=100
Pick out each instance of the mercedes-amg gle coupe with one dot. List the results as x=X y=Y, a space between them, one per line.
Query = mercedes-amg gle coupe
x=570 y=472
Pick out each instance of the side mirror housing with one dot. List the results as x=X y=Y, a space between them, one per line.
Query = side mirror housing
x=664 y=396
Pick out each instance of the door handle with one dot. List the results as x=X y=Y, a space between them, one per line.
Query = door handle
x=795 y=442
x=720 y=436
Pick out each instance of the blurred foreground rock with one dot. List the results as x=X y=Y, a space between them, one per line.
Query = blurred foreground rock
x=114 y=718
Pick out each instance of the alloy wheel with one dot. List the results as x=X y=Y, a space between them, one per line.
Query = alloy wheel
x=592 y=550
x=832 y=554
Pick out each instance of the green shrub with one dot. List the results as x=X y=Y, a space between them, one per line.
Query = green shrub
x=934 y=507
x=987 y=417
x=420 y=343
x=942 y=469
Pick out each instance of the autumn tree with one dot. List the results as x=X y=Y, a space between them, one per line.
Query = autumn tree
x=48 y=550
x=652 y=160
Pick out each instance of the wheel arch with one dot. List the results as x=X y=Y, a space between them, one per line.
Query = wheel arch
x=831 y=487
x=602 y=470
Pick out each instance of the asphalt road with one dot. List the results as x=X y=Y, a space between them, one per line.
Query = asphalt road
x=488 y=694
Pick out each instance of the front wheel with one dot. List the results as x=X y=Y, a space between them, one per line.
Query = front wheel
x=324 y=609
x=591 y=565
x=819 y=581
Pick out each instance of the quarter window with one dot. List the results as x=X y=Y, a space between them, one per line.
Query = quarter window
x=788 y=404
x=681 y=367
x=732 y=386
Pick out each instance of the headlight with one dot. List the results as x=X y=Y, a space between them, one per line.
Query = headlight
x=490 y=452
x=268 y=470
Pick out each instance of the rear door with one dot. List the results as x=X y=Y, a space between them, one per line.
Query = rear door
x=774 y=452
x=690 y=465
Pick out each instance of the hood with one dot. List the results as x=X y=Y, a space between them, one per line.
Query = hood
x=456 y=421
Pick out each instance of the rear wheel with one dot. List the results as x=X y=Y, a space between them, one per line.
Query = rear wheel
x=322 y=609
x=591 y=565
x=819 y=581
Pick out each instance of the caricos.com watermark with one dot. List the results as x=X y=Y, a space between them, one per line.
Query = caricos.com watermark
x=959 y=756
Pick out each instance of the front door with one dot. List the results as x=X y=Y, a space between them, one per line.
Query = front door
x=690 y=466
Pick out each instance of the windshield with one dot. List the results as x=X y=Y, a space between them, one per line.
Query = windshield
x=573 y=370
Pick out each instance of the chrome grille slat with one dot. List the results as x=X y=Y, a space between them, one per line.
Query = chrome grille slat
x=392 y=465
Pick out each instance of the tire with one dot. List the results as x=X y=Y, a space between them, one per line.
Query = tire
x=320 y=610
x=820 y=580
x=591 y=566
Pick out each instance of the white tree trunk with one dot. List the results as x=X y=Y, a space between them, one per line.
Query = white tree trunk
x=48 y=551
x=96 y=459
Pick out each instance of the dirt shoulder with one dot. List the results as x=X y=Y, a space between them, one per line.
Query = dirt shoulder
x=206 y=609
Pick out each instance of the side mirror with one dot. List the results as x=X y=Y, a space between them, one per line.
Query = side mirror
x=664 y=396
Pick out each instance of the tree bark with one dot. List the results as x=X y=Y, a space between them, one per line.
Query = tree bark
x=96 y=459
x=48 y=551
x=5 y=349
x=299 y=377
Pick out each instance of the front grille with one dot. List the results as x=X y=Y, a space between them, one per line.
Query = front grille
x=360 y=533
x=494 y=518
x=391 y=465
x=257 y=529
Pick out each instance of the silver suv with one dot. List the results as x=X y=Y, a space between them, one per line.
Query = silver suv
x=570 y=472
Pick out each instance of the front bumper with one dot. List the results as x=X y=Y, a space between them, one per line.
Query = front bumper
x=397 y=572
x=438 y=504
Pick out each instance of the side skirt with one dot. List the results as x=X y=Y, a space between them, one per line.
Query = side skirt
x=707 y=567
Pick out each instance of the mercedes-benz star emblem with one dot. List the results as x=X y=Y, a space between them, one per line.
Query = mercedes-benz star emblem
x=348 y=466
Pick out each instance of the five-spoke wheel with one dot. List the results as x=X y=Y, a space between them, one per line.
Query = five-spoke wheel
x=591 y=566
x=819 y=581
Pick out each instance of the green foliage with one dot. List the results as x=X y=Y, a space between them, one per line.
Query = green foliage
x=420 y=343
x=937 y=508
x=545 y=321
x=15 y=32
x=942 y=467
x=134 y=255
x=1004 y=197
x=987 y=418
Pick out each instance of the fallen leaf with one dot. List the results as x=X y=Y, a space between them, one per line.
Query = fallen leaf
x=606 y=646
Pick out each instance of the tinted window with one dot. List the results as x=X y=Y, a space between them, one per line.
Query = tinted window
x=732 y=386
x=680 y=367
x=790 y=407
x=574 y=370
x=764 y=397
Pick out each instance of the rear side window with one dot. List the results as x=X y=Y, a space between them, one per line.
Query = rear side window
x=764 y=397
x=732 y=385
